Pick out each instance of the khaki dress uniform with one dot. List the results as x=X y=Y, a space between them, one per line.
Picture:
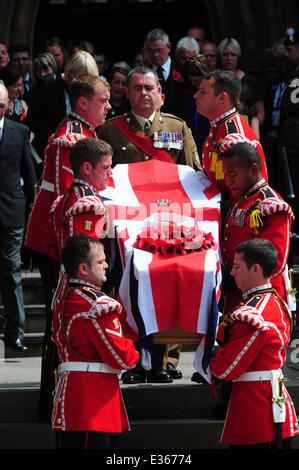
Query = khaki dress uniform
x=163 y=131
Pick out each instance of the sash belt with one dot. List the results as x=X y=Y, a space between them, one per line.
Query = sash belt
x=255 y=376
x=87 y=367
x=47 y=186
x=278 y=400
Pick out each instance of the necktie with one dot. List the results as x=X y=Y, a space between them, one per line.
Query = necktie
x=147 y=125
x=160 y=75
x=0 y=134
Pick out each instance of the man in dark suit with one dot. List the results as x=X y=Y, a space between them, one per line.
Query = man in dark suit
x=16 y=168
x=170 y=74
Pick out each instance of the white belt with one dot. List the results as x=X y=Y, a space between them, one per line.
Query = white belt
x=278 y=402
x=255 y=376
x=48 y=186
x=87 y=367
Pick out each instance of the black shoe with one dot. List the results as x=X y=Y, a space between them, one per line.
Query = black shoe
x=159 y=377
x=17 y=345
x=130 y=377
x=175 y=373
x=196 y=377
x=2 y=324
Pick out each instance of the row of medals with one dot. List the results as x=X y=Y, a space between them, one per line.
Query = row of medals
x=168 y=140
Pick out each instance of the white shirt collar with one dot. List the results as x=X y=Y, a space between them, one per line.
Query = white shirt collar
x=2 y=123
x=142 y=120
x=255 y=289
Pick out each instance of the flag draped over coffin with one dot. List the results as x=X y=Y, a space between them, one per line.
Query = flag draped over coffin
x=156 y=291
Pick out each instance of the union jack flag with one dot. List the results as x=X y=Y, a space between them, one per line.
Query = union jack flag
x=158 y=292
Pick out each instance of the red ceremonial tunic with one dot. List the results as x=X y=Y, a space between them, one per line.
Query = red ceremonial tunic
x=80 y=210
x=90 y=401
x=57 y=177
x=228 y=123
x=262 y=213
x=258 y=336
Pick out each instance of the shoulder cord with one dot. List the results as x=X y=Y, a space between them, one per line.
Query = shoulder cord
x=281 y=301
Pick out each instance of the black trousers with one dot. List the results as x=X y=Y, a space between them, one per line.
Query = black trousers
x=286 y=444
x=11 y=282
x=85 y=440
x=49 y=271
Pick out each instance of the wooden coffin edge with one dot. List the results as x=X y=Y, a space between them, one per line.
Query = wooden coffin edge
x=176 y=335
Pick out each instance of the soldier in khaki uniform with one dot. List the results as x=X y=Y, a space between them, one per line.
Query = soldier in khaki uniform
x=143 y=132
x=139 y=135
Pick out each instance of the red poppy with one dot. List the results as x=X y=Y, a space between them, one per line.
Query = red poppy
x=176 y=75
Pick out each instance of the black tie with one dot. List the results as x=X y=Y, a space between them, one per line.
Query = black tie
x=160 y=74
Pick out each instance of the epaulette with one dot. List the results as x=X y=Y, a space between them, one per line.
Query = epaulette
x=86 y=204
x=115 y=117
x=254 y=301
x=68 y=140
x=103 y=305
x=248 y=314
x=268 y=192
x=231 y=126
x=171 y=116
x=91 y=292
x=273 y=205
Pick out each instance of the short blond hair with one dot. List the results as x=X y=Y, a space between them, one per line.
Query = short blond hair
x=80 y=63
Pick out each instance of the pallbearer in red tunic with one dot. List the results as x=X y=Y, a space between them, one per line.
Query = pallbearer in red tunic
x=260 y=411
x=81 y=209
x=217 y=99
x=87 y=329
x=259 y=212
x=89 y=97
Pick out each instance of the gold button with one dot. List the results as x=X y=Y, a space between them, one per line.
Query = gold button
x=58 y=420
x=146 y=157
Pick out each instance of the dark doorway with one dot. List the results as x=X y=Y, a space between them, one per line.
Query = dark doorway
x=117 y=27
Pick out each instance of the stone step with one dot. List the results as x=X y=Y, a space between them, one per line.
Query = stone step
x=33 y=341
x=152 y=435
x=35 y=317
x=163 y=401
x=145 y=434
x=20 y=404
x=33 y=289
